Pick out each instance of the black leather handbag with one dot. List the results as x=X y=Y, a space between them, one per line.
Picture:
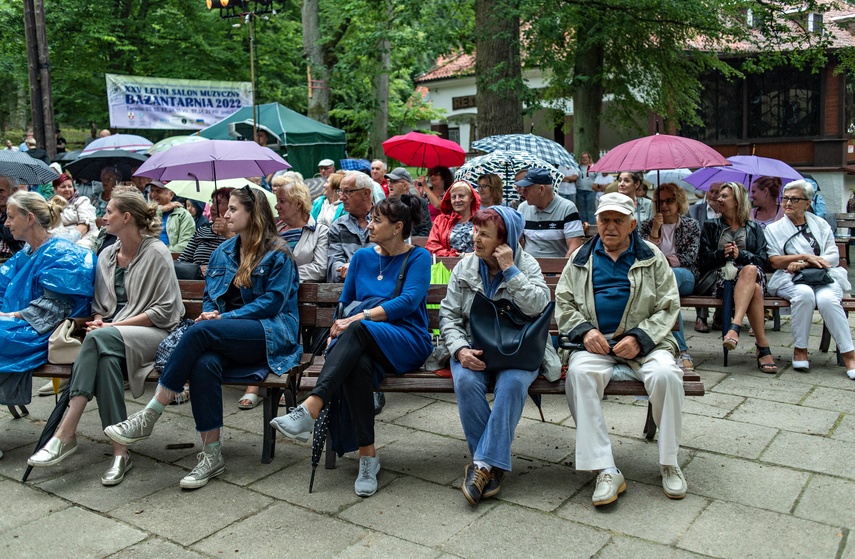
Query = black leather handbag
x=813 y=277
x=509 y=338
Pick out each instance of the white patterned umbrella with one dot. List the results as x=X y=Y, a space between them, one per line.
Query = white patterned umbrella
x=127 y=142
x=546 y=149
x=506 y=164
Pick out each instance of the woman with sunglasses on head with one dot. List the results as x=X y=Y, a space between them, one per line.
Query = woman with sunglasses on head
x=678 y=237
x=764 y=196
x=803 y=241
x=248 y=327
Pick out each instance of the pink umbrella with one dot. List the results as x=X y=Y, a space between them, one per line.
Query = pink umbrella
x=424 y=150
x=660 y=151
x=209 y=161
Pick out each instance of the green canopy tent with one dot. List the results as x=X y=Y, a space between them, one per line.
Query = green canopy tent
x=307 y=141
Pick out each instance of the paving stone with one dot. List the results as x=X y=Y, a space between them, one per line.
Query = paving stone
x=439 y=417
x=427 y=456
x=765 y=388
x=849 y=550
x=555 y=409
x=745 y=482
x=156 y=548
x=539 y=485
x=633 y=548
x=409 y=502
x=710 y=377
x=712 y=404
x=282 y=530
x=388 y=433
x=20 y=432
x=832 y=399
x=828 y=500
x=829 y=375
x=801 y=419
x=174 y=513
x=83 y=485
x=23 y=503
x=726 y=437
x=73 y=532
x=845 y=430
x=375 y=545
x=638 y=459
x=497 y=531
x=735 y=531
x=399 y=404
x=642 y=511
x=333 y=489
x=88 y=454
x=545 y=441
x=809 y=452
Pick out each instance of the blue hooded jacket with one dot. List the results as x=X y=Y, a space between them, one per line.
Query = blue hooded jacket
x=514 y=223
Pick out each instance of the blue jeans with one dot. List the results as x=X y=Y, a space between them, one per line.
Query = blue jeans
x=685 y=285
x=489 y=433
x=210 y=352
x=586 y=203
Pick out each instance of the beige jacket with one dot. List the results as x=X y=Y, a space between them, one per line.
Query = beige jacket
x=653 y=307
x=152 y=289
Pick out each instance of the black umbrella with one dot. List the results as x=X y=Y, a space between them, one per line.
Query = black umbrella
x=89 y=166
x=25 y=169
x=318 y=441
x=66 y=157
x=51 y=424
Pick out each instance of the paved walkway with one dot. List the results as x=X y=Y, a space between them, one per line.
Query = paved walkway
x=770 y=462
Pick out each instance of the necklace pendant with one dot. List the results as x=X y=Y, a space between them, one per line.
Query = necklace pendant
x=380 y=277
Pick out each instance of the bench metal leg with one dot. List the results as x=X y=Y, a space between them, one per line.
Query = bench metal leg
x=649 y=424
x=776 y=315
x=271 y=406
x=24 y=411
x=825 y=340
x=329 y=459
x=724 y=350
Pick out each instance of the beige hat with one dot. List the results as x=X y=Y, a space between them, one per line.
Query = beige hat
x=616 y=202
x=326 y=163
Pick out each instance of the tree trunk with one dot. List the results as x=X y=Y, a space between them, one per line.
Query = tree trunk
x=48 y=140
x=497 y=68
x=588 y=97
x=36 y=111
x=380 y=130
x=313 y=52
x=19 y=119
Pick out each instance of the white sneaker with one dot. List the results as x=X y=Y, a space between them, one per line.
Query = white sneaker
x=295 y=425
x=673 y=482
x=211 y=464
x=609 y=486
x=47 y=389
x=366 y=481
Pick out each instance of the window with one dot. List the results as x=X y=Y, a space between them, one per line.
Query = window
x=720 y=110
x=783 y=102
x=454 y=134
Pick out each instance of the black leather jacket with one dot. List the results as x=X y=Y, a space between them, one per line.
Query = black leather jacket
x=711 y=257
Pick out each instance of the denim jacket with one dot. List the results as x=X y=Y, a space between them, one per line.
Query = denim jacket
x=272 y=300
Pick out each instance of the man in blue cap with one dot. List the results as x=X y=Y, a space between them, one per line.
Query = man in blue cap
x=552 y=224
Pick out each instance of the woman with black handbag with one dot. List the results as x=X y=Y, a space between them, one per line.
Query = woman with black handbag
x=385 y=330
x=512 y=279
x=803 y=252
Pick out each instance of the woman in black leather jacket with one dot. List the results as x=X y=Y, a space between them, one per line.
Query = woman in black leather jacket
x=735 y=237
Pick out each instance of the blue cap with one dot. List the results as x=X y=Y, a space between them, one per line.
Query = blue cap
x=535 y=176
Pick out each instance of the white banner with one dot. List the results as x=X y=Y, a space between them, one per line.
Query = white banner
x=137 y=102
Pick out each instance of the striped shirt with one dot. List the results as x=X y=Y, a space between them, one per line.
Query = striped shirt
x=201 y=246
x=546 y=231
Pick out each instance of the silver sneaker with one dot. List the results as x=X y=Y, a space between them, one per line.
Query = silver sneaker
x=609 y=486
x=673 y=482
x=117 y=470
x=137 y=427
x=366 y=481
x=296 y=425
x=211 y=464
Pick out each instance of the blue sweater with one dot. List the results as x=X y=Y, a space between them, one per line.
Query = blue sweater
x=404 y=337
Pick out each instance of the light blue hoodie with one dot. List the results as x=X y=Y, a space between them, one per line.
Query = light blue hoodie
x=514 y=223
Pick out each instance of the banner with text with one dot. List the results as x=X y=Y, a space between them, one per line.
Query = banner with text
x=137 y=102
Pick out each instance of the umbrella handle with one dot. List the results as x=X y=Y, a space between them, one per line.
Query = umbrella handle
x=197 y=182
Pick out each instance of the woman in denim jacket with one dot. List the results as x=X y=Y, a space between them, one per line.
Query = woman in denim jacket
x=248 y=328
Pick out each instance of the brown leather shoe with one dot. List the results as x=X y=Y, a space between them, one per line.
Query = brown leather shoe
x=474 y=482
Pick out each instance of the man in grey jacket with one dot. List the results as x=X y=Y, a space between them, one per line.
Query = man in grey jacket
x=349 y=233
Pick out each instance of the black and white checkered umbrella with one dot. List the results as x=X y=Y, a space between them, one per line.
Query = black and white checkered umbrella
x=25 y=169
x=546 y=149
x=505 y=164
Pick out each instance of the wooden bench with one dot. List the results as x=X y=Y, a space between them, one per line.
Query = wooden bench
x=429 y=382
x=312 y=300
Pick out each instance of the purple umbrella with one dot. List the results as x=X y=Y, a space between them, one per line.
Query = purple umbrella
x=209 y=161
x=744 y=170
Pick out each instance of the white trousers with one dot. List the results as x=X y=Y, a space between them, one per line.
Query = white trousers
x=804 y=299
x=587 y=377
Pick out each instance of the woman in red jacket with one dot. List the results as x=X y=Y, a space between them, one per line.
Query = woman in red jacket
x=451 y=234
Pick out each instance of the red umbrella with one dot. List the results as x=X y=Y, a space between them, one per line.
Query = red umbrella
x=660 y=151
x=424 y=150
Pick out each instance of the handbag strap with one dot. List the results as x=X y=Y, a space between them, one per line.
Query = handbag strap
x=800 y=231
x=401 y=274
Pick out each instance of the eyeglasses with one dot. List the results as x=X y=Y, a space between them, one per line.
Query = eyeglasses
x=667 y=200
x=347 y=191
x=249 y=193
x=792 y=200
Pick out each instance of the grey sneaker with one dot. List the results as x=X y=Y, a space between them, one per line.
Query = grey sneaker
x=673 y=482
x=296 y=425
x=137 y=427
x=211 y=464
x=366 y=481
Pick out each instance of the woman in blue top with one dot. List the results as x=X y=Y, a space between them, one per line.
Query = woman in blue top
x=248 y=327
x=383 y=332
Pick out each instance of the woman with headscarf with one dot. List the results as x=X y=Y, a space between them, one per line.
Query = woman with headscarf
x=500 y=269
x=451 y=234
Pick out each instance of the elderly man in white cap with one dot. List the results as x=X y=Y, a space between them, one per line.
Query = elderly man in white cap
x=326 y=167
x=618 y=298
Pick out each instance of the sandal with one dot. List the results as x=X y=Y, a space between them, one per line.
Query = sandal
x=729 y=342
x=181 y=398
x=768 y=368
x=254 y=400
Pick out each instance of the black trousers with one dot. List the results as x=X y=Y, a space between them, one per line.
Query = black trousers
x=350 y=367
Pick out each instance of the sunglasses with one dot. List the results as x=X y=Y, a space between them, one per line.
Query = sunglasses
x=667 y=200
x=250 y=194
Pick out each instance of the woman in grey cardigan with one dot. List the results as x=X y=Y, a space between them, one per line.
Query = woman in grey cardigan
x=137 y=303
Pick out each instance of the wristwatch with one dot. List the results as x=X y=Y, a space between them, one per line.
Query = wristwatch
x=366 y=314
